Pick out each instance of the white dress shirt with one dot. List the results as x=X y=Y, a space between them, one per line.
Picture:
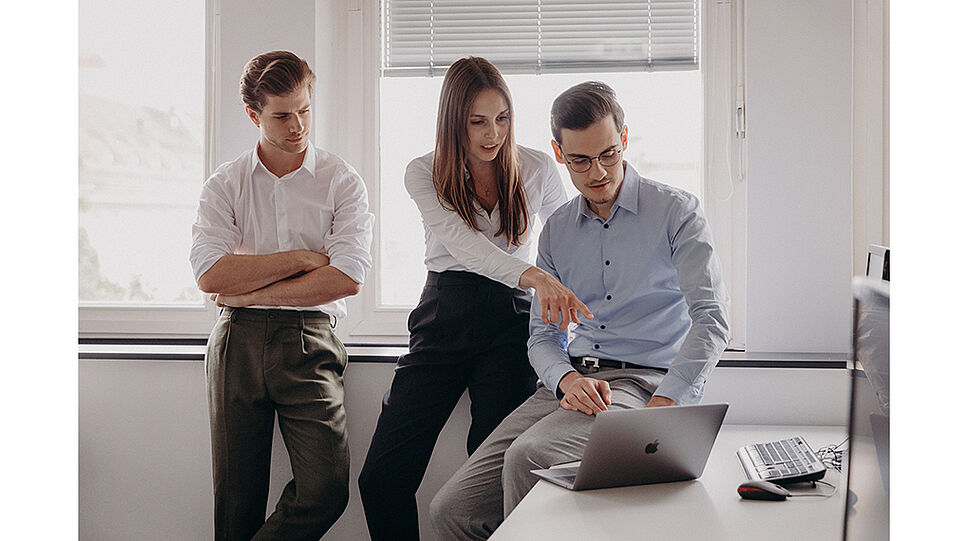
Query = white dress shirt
x=321 y=206
x=451 y=245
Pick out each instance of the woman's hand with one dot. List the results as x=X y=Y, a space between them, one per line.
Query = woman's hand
x=559 y=304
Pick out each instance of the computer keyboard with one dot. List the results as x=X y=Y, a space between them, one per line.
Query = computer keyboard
x=784 y=461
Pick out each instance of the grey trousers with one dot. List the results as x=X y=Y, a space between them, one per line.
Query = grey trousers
x=260 y=365
x=539 y=434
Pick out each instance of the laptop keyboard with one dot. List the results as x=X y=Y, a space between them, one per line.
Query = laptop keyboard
x=789 y=460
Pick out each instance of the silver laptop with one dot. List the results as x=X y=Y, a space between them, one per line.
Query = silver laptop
x=642 y=446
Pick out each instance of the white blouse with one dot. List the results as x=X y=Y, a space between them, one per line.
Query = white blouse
x=451 y=245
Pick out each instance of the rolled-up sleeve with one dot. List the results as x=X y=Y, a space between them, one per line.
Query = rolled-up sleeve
x=215 y=232
x=547 y=345
x=701 y=281
x=471 y=248
x=349 y=239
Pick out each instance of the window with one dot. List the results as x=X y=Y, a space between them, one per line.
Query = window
x=141 y=160
x=147 y=127
x=648 y=51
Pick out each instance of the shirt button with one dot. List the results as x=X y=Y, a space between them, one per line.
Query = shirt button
x=608 y=297
x=596 y=346
x=606 y=226
x=607 y=262
x=602 y=326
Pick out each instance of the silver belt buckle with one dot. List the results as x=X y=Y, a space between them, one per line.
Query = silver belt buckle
x=590 y=362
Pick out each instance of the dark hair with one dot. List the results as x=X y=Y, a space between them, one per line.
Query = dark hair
x=275 y=73
x=583 y=105
x=464 y=80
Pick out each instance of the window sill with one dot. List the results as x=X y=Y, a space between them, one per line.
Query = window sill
x=194 y=350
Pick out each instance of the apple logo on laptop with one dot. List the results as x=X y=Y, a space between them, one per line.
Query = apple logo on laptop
x=652 y=447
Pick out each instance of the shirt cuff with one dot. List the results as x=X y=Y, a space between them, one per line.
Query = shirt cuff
x=555 y=375
x=678 y=389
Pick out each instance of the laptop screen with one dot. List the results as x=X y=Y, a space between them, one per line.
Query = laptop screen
x=867 y=508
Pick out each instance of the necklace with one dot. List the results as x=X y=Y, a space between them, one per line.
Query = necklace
x=485 y=190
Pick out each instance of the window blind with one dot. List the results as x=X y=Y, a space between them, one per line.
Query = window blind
x=423 y=37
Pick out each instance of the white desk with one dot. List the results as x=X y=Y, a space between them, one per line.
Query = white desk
x=706 y=508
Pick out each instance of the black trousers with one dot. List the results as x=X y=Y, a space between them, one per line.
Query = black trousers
x=266 y=364
x=467 y=332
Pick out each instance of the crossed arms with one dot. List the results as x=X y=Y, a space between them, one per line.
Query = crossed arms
x=293 y=278
x=297 y=275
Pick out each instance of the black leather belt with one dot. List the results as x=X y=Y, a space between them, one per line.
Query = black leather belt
x=595 y=363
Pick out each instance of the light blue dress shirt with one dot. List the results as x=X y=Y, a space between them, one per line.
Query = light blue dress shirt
x=651 y=278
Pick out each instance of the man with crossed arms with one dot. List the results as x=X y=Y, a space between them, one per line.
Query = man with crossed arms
x=640 y=255
x=282 y=237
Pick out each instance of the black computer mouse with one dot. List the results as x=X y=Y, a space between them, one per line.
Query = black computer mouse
x=762 y=490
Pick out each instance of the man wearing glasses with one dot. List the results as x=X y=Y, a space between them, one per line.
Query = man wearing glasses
x=640 y=255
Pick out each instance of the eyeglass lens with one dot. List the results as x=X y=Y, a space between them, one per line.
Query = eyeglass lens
x=607 y=159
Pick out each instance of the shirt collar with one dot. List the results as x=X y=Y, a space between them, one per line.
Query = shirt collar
x=309 y=160
x=628 y=197
x=629 y=192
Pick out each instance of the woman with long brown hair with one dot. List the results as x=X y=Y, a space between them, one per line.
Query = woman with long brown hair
x=479 y=195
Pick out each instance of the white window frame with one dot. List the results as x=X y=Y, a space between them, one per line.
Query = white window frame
x=108 y=320
x=725 y=151
x=356 y=26
x=348 y=41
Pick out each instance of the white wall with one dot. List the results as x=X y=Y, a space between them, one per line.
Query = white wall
x=871 y=125
x=144 y=469
x=799 y=175
x=248 y=28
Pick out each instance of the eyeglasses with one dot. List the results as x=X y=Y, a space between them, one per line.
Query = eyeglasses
x=581 y=164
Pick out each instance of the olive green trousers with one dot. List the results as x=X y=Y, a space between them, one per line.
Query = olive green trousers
x=262 y=365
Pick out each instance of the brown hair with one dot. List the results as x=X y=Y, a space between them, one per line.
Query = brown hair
x=464 y=80
x=276 y=73
x=583 y=105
